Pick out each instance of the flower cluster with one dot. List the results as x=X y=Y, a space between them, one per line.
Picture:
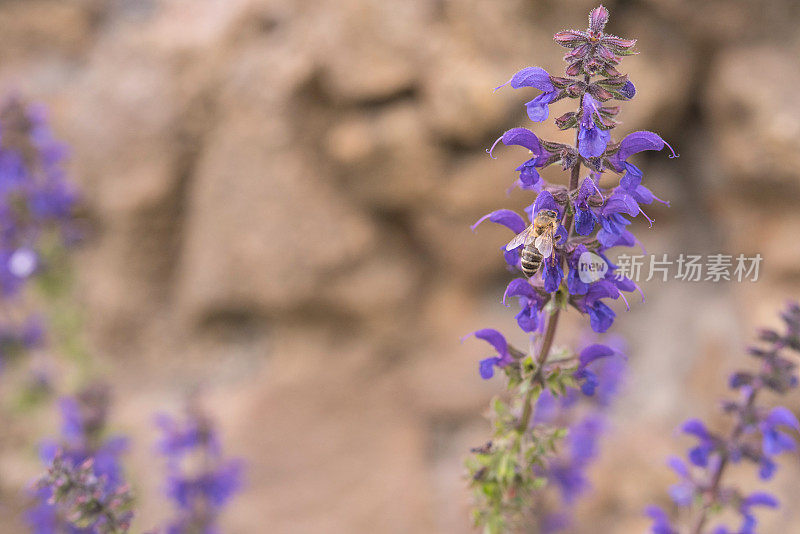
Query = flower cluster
x=90 y=503
x=37 y=215
x=37 y=203
x=83 y=449
x=569 y=225
x=200 y=481
x=757 y=436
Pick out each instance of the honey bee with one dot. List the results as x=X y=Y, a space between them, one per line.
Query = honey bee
x=537 y=240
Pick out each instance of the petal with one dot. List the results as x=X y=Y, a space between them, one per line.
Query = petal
x=621 y=202
x=519 y=287
x=782 y=416
x=486 y=367
x=584 y=222
x=495 y=339
x=539 y=108
x=699 y=456
x=682 y=494
x=766 y=468
x=695 y=427
x=679 y=466
x=528 y=176
x=530 y=77
x=507 y=218
x=632 y=178
x=522 y=137
x=552 y=275
x=638 y=142
x=594 y=352
x=601 y=317
x=760 y=498
x=544 y=201
x=592 y=142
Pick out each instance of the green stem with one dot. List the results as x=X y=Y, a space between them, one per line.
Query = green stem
x=544 y=352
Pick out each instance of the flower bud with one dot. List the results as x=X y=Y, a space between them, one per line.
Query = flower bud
x=598 y=19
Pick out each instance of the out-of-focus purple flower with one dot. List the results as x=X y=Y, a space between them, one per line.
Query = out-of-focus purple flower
x=537 y=77
x=200 y=481
x=81 y=501
x=707 y=442
x=588 y=378
x=661 y=522
x=82 y=443
x=683 y=492
x=36 y=200
x=714 y=452
x=774 y=440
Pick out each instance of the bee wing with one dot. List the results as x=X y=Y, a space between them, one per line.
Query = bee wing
x=545 y=244
x=522 y=238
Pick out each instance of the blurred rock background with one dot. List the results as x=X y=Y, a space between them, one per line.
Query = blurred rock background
x=281 y=194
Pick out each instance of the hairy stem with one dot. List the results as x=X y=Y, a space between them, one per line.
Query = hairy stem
x=547 y=344
x=552 y=324
x=716 y=476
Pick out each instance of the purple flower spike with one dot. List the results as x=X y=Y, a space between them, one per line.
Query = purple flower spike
x=199 y=481
x=774 y=441
x=705 y=488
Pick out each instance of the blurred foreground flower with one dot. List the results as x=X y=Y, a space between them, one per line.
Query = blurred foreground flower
x=200 y=481
x=37 y=202
x=89 y=503
x=757 y=436
x=82 y=449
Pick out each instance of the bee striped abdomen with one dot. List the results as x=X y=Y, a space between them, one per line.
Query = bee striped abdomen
x=531 y=260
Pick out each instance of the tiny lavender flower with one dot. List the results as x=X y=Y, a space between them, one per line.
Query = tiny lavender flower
x=82 y=447
x=199 y=480
x=757 y=436
x=590 y=220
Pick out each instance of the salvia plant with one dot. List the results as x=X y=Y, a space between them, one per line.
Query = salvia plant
x=200 y=479
x=84 y=490
x=756 y=435
x=38 y=220
x=571 y=225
